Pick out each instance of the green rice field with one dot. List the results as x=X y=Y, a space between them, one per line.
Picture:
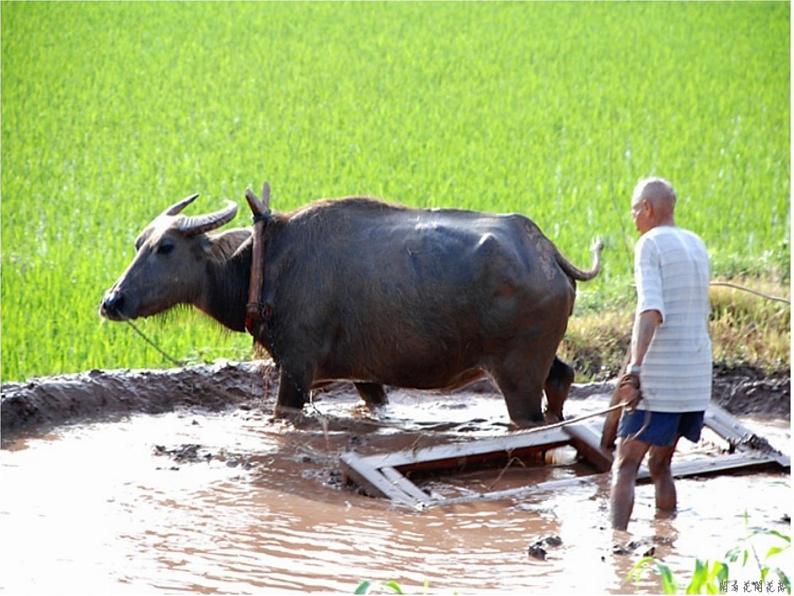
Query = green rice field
x=113 y=111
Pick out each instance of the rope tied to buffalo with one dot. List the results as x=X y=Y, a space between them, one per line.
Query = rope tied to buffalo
x=564 y=423
x=324 y=417
x=162 y=352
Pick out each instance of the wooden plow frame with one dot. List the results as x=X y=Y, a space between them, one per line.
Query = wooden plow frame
x=383 y=475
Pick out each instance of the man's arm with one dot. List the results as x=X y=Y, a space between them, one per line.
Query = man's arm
x=644 y=328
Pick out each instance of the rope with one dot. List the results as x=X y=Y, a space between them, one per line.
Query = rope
x=324 y=420
x=644 y=427
x=728 y=284
x=538 y=429
x=154 y=345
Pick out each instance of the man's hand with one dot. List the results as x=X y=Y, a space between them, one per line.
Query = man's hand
x=629 y=390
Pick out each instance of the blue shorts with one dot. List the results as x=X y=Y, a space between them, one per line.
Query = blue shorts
x=662 y=428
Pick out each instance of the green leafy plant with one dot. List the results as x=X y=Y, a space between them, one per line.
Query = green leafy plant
x=392 y=586
x=669 y=585
x=389 y=587
x=747 y=548
x=713 y=577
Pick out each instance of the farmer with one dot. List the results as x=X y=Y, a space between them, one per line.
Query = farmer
x=668 y=379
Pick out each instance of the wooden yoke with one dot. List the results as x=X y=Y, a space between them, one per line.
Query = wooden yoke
x=260 y=207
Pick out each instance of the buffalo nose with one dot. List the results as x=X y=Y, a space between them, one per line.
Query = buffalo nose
x=113 y=303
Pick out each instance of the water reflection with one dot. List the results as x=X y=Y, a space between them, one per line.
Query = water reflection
x=100 y=509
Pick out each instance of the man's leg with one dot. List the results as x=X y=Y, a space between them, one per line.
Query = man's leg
x=624 y=475
x=659 y=461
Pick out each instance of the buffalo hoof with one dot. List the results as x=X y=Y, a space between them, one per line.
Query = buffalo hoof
x=524 y=423
x=288 y=413
x=552 y=417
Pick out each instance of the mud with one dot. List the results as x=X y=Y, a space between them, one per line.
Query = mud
x=745 y=391
x=180 y=480
x=44 y=403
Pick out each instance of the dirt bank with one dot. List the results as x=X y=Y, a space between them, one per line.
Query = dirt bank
x=745 y=390
x=45 y=402
x=49 y=401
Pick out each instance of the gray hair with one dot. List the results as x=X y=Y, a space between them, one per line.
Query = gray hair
x=655 y=190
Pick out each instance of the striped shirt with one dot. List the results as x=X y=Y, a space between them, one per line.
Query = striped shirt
x=671 y=268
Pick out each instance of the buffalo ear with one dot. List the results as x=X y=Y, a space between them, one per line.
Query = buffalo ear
x=206 y=245
x=225 y=244
x=142 y=237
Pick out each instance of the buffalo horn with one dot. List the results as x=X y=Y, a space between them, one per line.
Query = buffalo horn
x=176 y=208
x=199 y=224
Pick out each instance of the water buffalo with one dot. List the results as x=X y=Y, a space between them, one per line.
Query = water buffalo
x=374 y=293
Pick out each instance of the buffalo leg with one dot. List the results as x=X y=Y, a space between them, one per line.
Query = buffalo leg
x=292 y=394
x=558 y=383
x=521 y=382
x=610 y=430
x=372 y=394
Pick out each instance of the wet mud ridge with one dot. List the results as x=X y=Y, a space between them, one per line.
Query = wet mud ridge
x=47 y=402
x=748 y=391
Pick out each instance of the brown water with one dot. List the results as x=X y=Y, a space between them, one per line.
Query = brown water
x=231 y=502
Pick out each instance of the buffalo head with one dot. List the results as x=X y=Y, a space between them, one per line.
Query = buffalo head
x=170 y=265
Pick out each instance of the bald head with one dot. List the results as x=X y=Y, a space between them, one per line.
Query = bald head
x=653 y=204
x=658 y=191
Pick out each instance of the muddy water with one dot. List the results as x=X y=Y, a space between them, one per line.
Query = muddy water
x=233 y=502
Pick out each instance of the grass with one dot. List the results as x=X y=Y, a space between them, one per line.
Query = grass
x=111 y=111
x=720 y=576
x=745 y=330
